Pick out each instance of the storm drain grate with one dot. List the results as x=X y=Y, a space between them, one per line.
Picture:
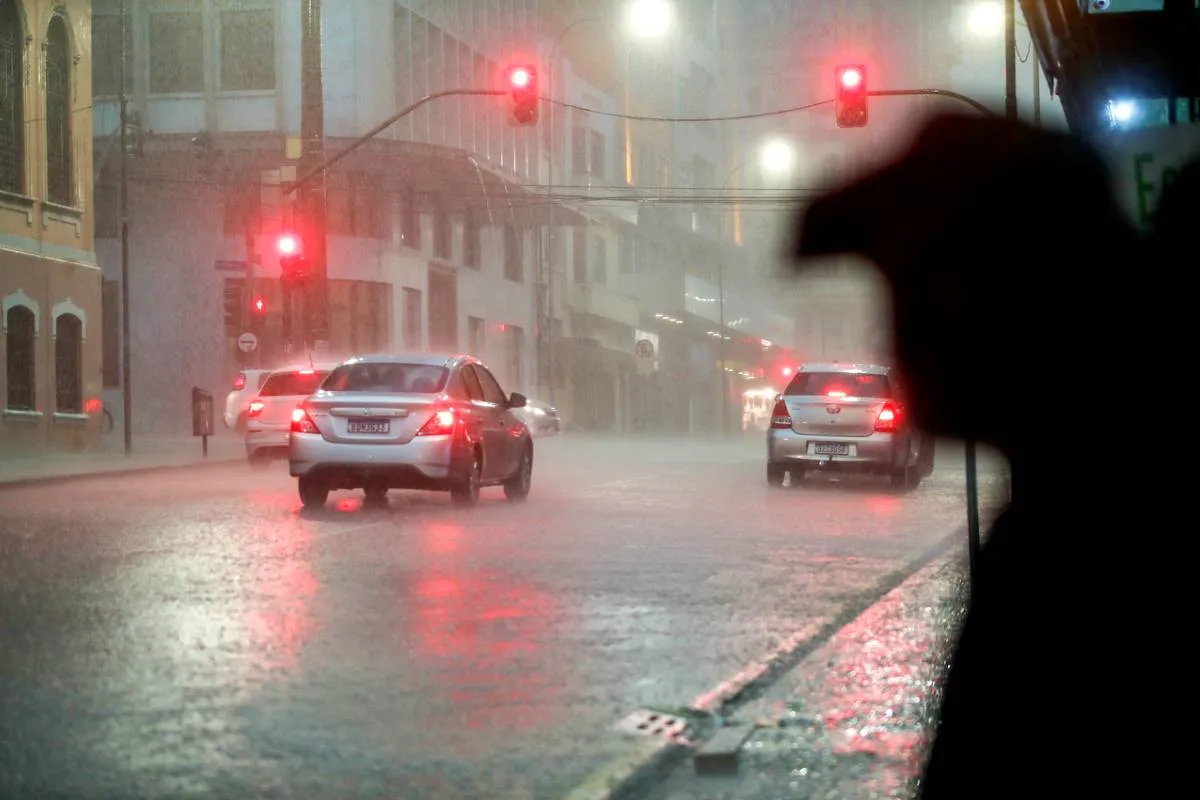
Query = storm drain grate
x=647 y=722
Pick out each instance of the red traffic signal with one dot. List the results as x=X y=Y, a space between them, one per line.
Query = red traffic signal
x=293 y=270
x=850 y=103
x=522 y=81
x=259 y=306
x=287 y=244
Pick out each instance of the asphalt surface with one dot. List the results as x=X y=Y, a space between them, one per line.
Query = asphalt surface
x=195 y=634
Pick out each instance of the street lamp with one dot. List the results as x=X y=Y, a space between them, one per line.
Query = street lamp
x=776 y=157
x=987 y=19
x=646 y=19
x=649 y=19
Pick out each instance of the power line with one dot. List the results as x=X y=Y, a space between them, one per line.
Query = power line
x=724 y=118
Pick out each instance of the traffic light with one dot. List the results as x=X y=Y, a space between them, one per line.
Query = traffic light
x=293 y=270
x=850 y=104
x=288 y=244
x=522 y=80
x=234 y=297
x=258 y=311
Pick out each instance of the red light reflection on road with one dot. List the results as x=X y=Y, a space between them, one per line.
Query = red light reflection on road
x=481 y=635
x=284 y=584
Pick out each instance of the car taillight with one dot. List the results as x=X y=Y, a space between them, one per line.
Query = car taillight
x=256 y=407
x=780 y=418
x=239 y=382
x=888 y=419
x=441 y=423
x=302 y=422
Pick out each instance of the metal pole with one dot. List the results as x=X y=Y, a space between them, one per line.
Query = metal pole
x=553 y=235
x=315 y=322
x=721 y=352
x=1037 y=89
x=123 y=211
x=1010 y=59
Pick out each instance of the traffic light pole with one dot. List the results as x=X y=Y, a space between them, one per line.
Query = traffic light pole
x=315 y=322
x=123 y=212
x=308 y=175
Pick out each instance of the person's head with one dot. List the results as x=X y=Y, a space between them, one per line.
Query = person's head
x=999 y=243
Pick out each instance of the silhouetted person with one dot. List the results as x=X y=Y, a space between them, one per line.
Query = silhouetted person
x=1025 y=312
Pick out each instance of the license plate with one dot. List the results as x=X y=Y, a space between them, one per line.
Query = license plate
x=829 y=449
x=370 y=426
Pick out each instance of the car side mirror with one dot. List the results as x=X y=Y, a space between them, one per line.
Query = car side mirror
x=516 y=400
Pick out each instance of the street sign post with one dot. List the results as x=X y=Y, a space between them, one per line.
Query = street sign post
x=247 y=342
x=643 y=349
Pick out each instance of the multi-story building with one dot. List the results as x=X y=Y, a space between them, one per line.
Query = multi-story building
x=49 y=283
x=431 y=227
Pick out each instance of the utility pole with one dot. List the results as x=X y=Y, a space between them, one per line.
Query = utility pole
x=311 y=200
x=1010 y=59
x=123 y=212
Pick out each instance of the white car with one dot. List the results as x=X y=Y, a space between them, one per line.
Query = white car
x=269 y=414
x=245 y=385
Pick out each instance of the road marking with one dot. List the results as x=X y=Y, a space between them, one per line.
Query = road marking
x=648 y=760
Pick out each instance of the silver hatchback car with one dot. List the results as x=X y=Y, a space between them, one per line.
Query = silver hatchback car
x=845 y=417
x=439 y=423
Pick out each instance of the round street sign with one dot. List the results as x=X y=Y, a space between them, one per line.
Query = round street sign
x=247 y=342
x=644 y=348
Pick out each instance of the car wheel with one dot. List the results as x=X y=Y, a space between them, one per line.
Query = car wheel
x=517 y=487
x=375 y=493
x=775 y=475
x=466 y=491
x=313 y=493
x=796 y=475
x=905 y=480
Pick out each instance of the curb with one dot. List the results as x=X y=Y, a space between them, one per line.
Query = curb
x=623 y=776
x=74 y=477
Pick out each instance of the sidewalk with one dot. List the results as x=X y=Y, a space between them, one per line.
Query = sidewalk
x=149 y=452
x=854 y=718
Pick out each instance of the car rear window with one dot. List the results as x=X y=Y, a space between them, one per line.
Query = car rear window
x=387 y=378
x=850 y=384
x=299 y=383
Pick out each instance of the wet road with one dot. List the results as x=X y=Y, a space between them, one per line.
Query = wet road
x=195 y=634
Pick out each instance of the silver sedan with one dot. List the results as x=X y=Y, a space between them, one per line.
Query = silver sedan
x=439 y=423
x=846 y=417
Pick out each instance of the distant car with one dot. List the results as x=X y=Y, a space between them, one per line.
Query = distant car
x=245 y=385
x=439 y=423
x=846 y=417
x=269 y=414
x=542 y=419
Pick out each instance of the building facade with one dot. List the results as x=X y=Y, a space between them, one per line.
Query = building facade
x=431 y=241
x=50 y=291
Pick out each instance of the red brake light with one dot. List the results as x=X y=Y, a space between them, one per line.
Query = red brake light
x=256 y=408
x=780 y=417
x=302 y=422
x=440 y=424
x=239 y=382
x=889 y=418
x=835 y=394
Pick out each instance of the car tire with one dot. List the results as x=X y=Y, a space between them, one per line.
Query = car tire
x=796 y=476
x=905 y=480
x=313 y=493
x=375 y=493
x=775 y=475
x=517 y=487
x=466 y=491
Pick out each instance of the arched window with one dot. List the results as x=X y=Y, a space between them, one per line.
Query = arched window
x=12 y=87
x=20 y=326
x=68 y=364
x=60 y=174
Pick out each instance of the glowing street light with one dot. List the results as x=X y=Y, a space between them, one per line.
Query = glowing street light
x=649 y=19
x=986 y=19
x=778 y=157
